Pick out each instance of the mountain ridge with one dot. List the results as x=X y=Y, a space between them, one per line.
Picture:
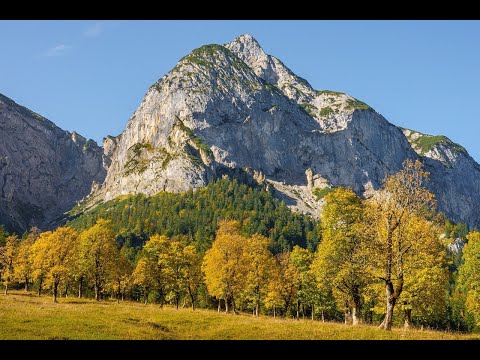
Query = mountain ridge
x=234 y=110
x=44 y=170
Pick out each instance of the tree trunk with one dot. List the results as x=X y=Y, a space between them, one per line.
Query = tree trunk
x=298 y=309
x=192 y=298
x=408 y=319
x=97 y=291
x=323 y=316
x=40 y=287
x=6 y=289
x=274 y=314
x=55 y=291
x=26 y=284
x=234 y=308
x=66 y=291
x=257 y=309
x=219 y=305
x=226 y=306
x=80 y=288
x=355 y=317
x=391 y=300
x=313 y=312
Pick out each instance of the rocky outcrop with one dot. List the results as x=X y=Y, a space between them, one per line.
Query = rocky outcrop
x=235 y=110
x=44 y=170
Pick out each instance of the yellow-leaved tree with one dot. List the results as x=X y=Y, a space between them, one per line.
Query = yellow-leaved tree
x=425 y=288
x=23 y=262
x=192 y=272
x=469 y=275
x=7 y=258
x=99 y=253
x=283 y=285
x=53 y=256
x=307 y=290
x=258 y=262
x=391 y=242
x=340 y=263
x=222 y=264
x=151 y=272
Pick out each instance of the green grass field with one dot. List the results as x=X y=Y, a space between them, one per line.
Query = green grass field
x=26 y=316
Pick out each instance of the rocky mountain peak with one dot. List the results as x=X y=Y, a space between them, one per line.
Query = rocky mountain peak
x=44 y=170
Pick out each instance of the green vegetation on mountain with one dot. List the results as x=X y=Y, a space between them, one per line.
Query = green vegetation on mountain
x=196 y=213
x=329 y=92
x=354 y=104
x=325 y=111
x=424 y=142
x=309 y=108
x=320 y=193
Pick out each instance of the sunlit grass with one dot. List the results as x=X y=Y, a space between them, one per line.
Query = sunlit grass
x=26 y=316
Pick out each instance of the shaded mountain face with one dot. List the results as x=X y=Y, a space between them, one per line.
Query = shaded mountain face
x=235 y=110
x=44 y=170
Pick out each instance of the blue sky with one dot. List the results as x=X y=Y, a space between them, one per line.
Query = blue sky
x=90 y=76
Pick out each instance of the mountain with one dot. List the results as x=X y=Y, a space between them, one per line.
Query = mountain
x=224 y=110
x=44 y=170
x=235 y=110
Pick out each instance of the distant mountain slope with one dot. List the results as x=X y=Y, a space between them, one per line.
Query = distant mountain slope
x=44 y=170
x=234 y=109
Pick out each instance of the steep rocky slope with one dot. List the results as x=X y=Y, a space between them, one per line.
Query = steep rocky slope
x=234 y=109
x=44 y=170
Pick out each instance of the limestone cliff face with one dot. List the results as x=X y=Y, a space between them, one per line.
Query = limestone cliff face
x=44 y=170
x=234 y=109
x=229 y=109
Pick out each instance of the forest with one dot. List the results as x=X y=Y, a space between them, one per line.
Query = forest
x=235 y=248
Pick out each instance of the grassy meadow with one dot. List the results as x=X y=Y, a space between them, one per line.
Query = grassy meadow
x=27 y=316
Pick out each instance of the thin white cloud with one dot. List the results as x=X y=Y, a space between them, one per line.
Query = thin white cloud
x=94 y=29
x=57 y=50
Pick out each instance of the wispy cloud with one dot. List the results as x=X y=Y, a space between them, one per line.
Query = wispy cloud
x=94 y=29
x=57 y=50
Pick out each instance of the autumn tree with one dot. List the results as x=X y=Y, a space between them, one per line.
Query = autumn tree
x=273 y=298
x=99 y=252
x=53 y=256
x=143 y=276
x=151 y=272
x=39 y=260
x=257 y=262
x=192 y=272
x=469 y=275
x=283 y=284
x=302 y=260
x=393 y=244
x=222 y=264
x=119 y=278
x=340 y=262
x=174 y=264
x=23 y=262
x=425 y=289
x=7 y=257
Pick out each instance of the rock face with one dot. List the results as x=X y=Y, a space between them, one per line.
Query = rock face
x=44 y=170
x=235 y=110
